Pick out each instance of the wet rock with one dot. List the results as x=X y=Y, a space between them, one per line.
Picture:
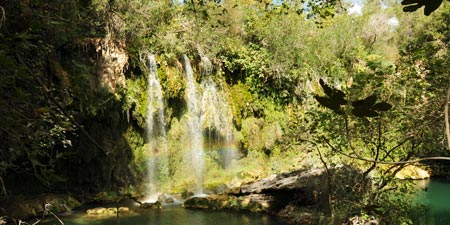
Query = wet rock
x=107 y=211
x=187 y=194
x=151 y=205
x=166 y=199
x=169 y=200
x=95 y=211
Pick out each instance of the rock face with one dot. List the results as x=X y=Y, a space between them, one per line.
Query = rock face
x=114 y=60
x=111 y=61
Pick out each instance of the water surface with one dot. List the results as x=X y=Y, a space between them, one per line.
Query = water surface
x=436 y=198
x=174 y=215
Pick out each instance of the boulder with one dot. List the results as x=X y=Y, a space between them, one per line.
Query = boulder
x=314 y=178
x=187 y=194
x=412 y=172
x=165 y=199
x=169 y=200
x=124 y=209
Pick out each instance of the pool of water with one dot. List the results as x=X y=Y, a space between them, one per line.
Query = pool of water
x=173 y=215
x=436 y=197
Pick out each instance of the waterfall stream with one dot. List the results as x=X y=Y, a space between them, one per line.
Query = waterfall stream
x=208 y=124
x=216 y=118
x=155 y=129
x=196 y=151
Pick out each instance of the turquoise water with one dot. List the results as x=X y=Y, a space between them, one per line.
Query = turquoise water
x=437 y=199
x=174 y=215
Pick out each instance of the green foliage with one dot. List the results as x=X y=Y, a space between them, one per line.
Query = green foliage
x=139 y=162
x=241 y=105
x=135 y=100
x=403 y=200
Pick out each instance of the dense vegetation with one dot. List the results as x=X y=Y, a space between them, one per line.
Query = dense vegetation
x=384 y=75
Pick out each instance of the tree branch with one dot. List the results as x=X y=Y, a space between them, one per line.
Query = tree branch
x=357 y=156
x=2 y=16
x=3 y=187
x=447 y=125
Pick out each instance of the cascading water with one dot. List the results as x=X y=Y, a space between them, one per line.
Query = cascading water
x=196 y=153
x=216 y=118
x=156 y=133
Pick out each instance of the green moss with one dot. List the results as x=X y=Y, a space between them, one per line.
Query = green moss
x=135 y=101
x=172 y=81
x=138 y=165
x=241 y=99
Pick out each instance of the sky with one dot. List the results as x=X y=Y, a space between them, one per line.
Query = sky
x=356 y=9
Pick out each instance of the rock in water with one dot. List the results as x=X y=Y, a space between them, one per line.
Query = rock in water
x=151 y=205
x=96 y=211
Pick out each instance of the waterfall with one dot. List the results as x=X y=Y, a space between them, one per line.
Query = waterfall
x=155 y=129
x=196 y=152
x=216 y=118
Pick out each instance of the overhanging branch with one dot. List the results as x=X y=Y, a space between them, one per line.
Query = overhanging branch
x=447 y=125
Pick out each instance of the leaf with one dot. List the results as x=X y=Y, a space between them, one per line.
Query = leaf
x=329 y=103
x=339 y=97
x=327 y=89
x=382 y=106
x=336 y=95
x=361 y=112
x=365 y=103
x=431 y=6
x=413 y=5
x=411 y=8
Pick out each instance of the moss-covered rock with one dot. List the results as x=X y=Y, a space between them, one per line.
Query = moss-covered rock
x=151 y=205
x=107 y=211
x=252 y=203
